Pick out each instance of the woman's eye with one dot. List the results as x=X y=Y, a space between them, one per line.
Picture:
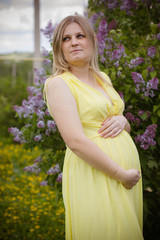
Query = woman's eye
x=80 y=36
x=65 y=39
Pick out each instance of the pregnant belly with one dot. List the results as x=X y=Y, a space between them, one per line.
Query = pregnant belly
x=121 y=149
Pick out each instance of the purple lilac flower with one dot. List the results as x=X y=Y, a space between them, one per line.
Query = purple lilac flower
x=132 y=119
x=47 y=112
x=40 y=114
x=18 y=135
x=45 y=53
x=39 y=72
x=158 y=36
x=38 y=138
x=32 y=90
x=44 y=183
x=150 y=68
x=127 y=5
x=43 y=79
x=32 y=168
x=112 y=25
x=147 y=138
x=112 y=4
x=111 y=42
x=136 y=62
x=141 y=112
x=48 y=62
x=48 y=31
x=48 y=132
x=116 y=63
x=137 y=121
x=54 y=170
x=13 y=130
x=151 y=51
x=119 y=73
x=137 y=77
x=103 y=59
x=152 y=84
x=40 y=76
x=121 y=95
x=41 y=124
x=121 y=48
x=94 y=18
x=18 y=109
x=102 y=35
x=51 y=124
x=33 y=104
x=59 y=178
x=139 y=82
x=117 y=53
x=38 y=159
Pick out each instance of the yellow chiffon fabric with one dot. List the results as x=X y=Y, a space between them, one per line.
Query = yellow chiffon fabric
x=98 y=207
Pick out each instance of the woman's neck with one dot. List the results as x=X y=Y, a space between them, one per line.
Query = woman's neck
x=83 y=74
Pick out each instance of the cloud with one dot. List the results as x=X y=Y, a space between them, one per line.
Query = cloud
x=17 y=21
x=16 y=42
x=13 y=19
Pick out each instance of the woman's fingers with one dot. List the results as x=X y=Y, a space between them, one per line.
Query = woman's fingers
x=112 y=126
x=112 y=129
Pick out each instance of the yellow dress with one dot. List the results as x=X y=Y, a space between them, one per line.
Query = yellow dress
x=98 y=207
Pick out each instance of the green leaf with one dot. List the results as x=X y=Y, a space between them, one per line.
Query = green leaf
x=106 y=70
x=154 y=119
x=136 y=54
x=155 y=108
x=144 y=116
x=127 y=97
x=120 y=68
x=154 y=28
x=158 y=113
x=145 y=74
x=152 y=164
x=113 y=75
x=127 y=88
x=153 y=74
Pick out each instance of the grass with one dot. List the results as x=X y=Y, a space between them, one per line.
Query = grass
x=27 y=210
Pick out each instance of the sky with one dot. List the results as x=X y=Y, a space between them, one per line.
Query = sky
x=17 y=21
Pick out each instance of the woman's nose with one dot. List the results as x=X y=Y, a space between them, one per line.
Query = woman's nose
x=74 y=41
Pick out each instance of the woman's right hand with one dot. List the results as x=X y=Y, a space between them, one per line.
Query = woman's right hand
x=131 y=178
x=128 y=178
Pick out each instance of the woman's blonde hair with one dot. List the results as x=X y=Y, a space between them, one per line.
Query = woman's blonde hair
x=60 y=65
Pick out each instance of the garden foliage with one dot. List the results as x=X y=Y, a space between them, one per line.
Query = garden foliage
x=128 y=34
x=12 y=91
x=27 y=210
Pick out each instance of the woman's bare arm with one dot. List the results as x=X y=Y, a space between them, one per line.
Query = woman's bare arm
x=64 y=110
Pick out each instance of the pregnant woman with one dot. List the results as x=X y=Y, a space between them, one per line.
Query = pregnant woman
x=102 y=187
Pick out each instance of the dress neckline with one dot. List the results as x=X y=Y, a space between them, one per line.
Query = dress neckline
x=94 y=89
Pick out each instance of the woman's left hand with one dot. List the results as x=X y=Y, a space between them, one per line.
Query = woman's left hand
x=113 y=126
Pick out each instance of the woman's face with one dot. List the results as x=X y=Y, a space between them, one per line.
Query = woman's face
x=75 y=45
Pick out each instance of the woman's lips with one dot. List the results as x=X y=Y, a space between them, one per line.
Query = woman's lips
x=76 y=50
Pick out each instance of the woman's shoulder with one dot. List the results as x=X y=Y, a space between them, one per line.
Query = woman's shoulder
x=55 y=80
x=106 y=77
